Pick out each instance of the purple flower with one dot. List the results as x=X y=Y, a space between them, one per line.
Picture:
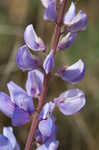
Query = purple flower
x=25 y=60
x=50 y=13
x=46 y=124
x=50 y=10
x=34 y=83
x=32 y=40
x=47 y=111
x=18 y=106
x=67 y=41
x=70 y=14
x=8 y=140
x=71 y=101
x=50 y=145
x=49 y=64
x=73 y=22
x=74 y=73
x=47 y=2
x=47 y=129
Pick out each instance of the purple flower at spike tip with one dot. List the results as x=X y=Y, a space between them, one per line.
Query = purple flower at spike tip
x=73 y=22
x=71 y=101
x=50 y=13
x=32 y=40
x=34 y=83
x=67 y=41
x=8 y=140
x=74 y=73
x=49 y=64
x=18 y=106
x=25 y=60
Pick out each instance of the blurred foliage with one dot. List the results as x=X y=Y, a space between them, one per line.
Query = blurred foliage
x=78 y=132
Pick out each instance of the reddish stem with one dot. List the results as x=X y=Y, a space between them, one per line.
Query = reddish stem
x=46 y=79
x=58 y=27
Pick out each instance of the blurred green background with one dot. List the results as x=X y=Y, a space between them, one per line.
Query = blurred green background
x=78 y=132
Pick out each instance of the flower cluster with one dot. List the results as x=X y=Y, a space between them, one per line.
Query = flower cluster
x=20 y=103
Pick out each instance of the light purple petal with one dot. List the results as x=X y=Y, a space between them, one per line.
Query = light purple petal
x=20 y=97
x=25 y=60
x=79 y=23
x=74 y=73
x=49 y=63
x=20 y=117
x=42 y=147
x=14 y=89
x=8 y=132
x=32 y=40
x=34 y=83
x=6 y=106
x=71 y=101
x=17 y=147
x=4 y=143
x=50 y=13
x=53 y=145
x=67 y=41
x=47 y=2
x=24 y=102
x=45 y=127
x=47 y=110
x=70 y=14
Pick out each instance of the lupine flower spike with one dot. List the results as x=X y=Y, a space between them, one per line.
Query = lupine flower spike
x=20 y=105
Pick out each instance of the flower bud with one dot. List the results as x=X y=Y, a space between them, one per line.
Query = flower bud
x=49 y=64
x=67 y=41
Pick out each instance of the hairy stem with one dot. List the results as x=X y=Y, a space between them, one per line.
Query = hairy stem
x=46 y=79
